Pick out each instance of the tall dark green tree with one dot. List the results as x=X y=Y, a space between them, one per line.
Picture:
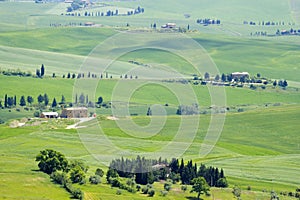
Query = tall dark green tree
x=46 y=99
x=63 y=100
x=42 y=70
x=5 y=101
x=54 y=104
x=149 y=112
x=15 y=100
x=22 y=101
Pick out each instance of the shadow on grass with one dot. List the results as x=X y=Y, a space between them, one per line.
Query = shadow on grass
x=193 y=198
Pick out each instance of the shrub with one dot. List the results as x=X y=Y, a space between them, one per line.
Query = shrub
x=77 y=193
x=249 y=187
x=145 y=190
x=96 y=179
x=36 y=114
x=151 y=193
x=119 y=192
x=184 y=188
x=163 y=193
x=167 y=186
x=59 y=178
x=138 y=187
x=99 y=172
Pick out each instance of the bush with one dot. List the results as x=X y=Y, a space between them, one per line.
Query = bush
x=77 y=193
x=2 y=121
x=184 y=188
x=163 y=193
x=145 y=190
x=119 y=192
x=151 y=193
x=167 y=186
x=36 y=114
x=222 y=182
x=249 y=187
x=59 y=178
x=138 y=187
x=99 y=172
x=96 y=179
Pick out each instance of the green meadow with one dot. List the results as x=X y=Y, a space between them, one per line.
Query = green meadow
x=259 y=145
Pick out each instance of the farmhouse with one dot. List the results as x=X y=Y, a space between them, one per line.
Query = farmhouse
x=49 y=115
x=89 y=24
x=169 y=25
x=79 y=112
x=238 y=75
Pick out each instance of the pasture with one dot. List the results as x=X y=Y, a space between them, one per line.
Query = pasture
x=265 y=164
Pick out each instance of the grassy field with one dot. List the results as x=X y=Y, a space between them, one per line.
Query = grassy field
x=243 y=157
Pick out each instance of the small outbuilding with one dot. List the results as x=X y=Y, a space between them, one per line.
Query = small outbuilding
x=76 y=112
x=169 y=25
x=238 y=75
x=49 y=115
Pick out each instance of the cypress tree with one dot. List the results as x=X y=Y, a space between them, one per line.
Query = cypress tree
x=5 y=101
x=42 y=70
x=22 y=101
x=54 y=104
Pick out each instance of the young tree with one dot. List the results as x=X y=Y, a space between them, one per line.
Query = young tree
x=63 y=100
x=15 y=100
x=81 y=99
x=77 y=175
x=51 y=161
x=38 y=73
x=237 y=192
x=22 y=101
x=275 y=83
x=54 y=104
x=10 y=102
x=100 y=100
x=40 y=99
x=223 y=77
x=206 y=76
x=29 y=99
x=200 y=186
x=149 y=112
x=217 y=77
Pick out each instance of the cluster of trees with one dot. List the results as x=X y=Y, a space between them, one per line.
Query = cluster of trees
x=75 y=6
x=146 y=171
x=17 y=72
x=138 y=10
x=10 y=102
x=208 y=21
x=288 y=32
x=268 y=23
x=62 y=171
x=227 y=78
x=188 y=109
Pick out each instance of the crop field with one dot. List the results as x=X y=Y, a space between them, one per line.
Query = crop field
x=258 y=146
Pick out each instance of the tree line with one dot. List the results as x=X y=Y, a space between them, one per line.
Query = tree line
x=146 y=171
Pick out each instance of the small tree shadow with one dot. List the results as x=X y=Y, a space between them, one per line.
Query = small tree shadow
x=192 y=198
